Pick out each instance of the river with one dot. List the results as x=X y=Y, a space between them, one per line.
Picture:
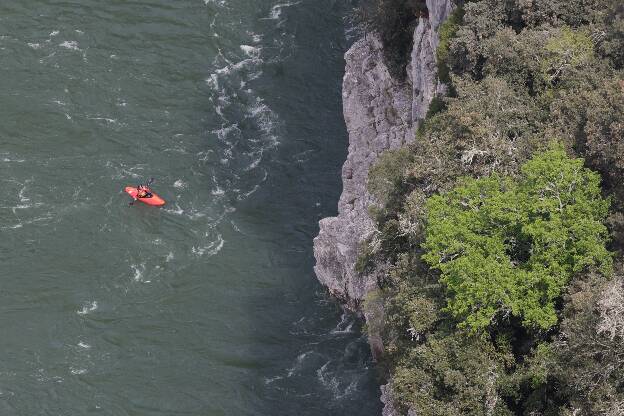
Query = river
x=208 y=306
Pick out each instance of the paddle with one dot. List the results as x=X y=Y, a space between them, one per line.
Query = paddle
x=151 y=180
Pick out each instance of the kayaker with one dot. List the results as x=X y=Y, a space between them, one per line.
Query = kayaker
x=144 y=192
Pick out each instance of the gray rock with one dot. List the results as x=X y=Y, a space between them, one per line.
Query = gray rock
x=377 y=111
x=381 y=113
x=386 y=398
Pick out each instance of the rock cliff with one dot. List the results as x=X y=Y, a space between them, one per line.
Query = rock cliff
x=381 y=113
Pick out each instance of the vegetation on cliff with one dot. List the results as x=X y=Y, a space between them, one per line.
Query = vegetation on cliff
x=509 y=247
x=500 y=231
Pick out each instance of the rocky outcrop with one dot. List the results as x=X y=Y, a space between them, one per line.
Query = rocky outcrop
x=389 y=408
x=381 y=113
x=377 y=111
x=422 y=70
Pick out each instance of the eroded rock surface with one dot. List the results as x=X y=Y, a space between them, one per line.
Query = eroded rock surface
x=377 y=111
x=381 y=113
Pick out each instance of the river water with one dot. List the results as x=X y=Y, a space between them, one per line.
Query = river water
x=208 y=306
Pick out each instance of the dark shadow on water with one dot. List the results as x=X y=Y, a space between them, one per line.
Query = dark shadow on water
x=312 y=358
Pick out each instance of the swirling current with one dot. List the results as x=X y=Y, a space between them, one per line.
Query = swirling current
x=208 y=306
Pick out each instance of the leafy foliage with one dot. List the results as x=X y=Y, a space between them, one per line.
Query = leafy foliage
x=387 y=175
x=568 y=50
x=447 y=32
x=516 y=251
x=612 y=45
x=452 y=376
x=508 y=246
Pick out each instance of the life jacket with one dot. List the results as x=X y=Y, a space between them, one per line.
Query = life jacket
x=144 y=192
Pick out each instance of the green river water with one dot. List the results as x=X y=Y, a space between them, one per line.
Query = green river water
x=208 y=306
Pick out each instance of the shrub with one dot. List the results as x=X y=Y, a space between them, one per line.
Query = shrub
x=566 y=51
x=448 y=31
x=452 y=376
x=386 y=177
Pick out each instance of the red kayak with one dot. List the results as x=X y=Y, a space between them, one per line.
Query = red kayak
x=154 y=200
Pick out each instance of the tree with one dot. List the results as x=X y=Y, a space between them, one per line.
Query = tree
x=507 y=246
x=566 y=50
x=586 y=358
x=453 y=375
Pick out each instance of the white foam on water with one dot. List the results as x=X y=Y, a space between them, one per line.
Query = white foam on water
x=21 y=194
x=169 y=257
x=77 y=371
x=84 y=345
x=298 y=363
x=225 y=131
x=348 y=391
x=245 y=195
x=331 y=383
x=88 y=308
x=229 y=69
x=42 y=376
x=177 y=211
x=254 y=164
x=269 y=380
x=196 y=214
x=256 y=38
x=276 y=11
x=42 y=60
x=241 y=148
x=345 y=326
x=180 y=184
x=267 y=121
x=121 y=171
x=70 y=44
x=138 y=270
x=106 y=119
x=211 y=249
x=35 y=45
x=217 y=192
x=9 y=159
x=251 y=51
x=54 y=33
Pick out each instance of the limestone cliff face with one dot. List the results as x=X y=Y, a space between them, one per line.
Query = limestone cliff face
x=377 y=111
x=381 y=113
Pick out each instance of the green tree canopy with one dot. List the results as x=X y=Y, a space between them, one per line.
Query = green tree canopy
x=510 y=246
